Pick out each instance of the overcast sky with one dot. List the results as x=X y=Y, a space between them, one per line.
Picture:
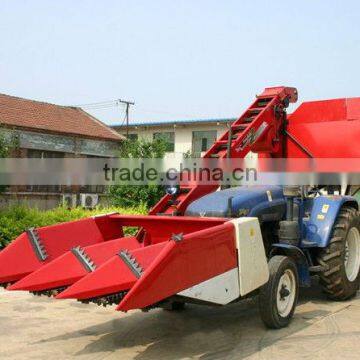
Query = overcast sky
x=177 y=59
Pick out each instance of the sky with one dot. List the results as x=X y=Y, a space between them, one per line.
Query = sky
x=177 y=59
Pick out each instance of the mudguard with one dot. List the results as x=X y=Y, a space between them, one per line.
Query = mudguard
x=299 y=257
x=323 y=216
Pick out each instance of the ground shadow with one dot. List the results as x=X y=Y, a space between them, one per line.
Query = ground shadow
x=206 y=332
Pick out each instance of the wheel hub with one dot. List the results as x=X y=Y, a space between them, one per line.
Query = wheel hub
x=352 y=254
x=286 y=293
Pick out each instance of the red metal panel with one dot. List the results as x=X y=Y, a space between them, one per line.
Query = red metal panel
x=58 y=239
x=109 y=228
x=353 y=108
x=168 y=225
x=318 y=111
x=281 y=91
x=335 y=139
x=326 y=128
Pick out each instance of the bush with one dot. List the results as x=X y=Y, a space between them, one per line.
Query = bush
x=16 y=219
x=130 y=195
x=133 y=195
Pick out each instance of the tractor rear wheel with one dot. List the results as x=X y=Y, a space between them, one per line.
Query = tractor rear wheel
x=278 y=297
x=341 y=258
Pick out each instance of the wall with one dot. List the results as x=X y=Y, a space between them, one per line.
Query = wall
x=64 y=143
x=183 y=133
x=41 y=201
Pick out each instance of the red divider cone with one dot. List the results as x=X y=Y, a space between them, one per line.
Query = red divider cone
x=36 y=248
x=113 y=276
x=18 y=260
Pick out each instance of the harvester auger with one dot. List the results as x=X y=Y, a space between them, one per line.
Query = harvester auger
x=193 y=248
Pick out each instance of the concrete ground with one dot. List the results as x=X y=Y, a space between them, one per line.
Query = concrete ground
x=41 y=328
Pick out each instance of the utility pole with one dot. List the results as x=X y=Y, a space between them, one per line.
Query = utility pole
x=127 y=104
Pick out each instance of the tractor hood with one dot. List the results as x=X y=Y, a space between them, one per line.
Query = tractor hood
x=265 y=202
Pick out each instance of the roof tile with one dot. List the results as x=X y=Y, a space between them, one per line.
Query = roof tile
x=19 y=112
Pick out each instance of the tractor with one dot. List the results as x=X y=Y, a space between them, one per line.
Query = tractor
x=206 y=245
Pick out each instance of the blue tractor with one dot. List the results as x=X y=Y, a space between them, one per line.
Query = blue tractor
x=304 y=232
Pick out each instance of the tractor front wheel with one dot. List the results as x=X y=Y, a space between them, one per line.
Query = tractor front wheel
x=341 y=258
x=278 y=297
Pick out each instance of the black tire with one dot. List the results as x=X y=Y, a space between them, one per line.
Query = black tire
x=174 y=306
x=268 y=295
x=334 y=280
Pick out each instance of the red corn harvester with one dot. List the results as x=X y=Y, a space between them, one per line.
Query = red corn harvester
x=208 y=246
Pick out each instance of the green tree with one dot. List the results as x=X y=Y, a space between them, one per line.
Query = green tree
x=7 y=144
x=134 y=195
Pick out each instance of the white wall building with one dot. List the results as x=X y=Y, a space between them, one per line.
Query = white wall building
x=184 y=136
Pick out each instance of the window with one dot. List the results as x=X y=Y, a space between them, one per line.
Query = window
x=169 y=137
x=44 y=154
x=202 y=141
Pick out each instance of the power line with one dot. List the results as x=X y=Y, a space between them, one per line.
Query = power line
x=100 y=103
x=98 y=107
x=109 y=104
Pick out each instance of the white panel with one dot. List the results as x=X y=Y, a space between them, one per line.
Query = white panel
x=221 y=289
x=253 y=267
